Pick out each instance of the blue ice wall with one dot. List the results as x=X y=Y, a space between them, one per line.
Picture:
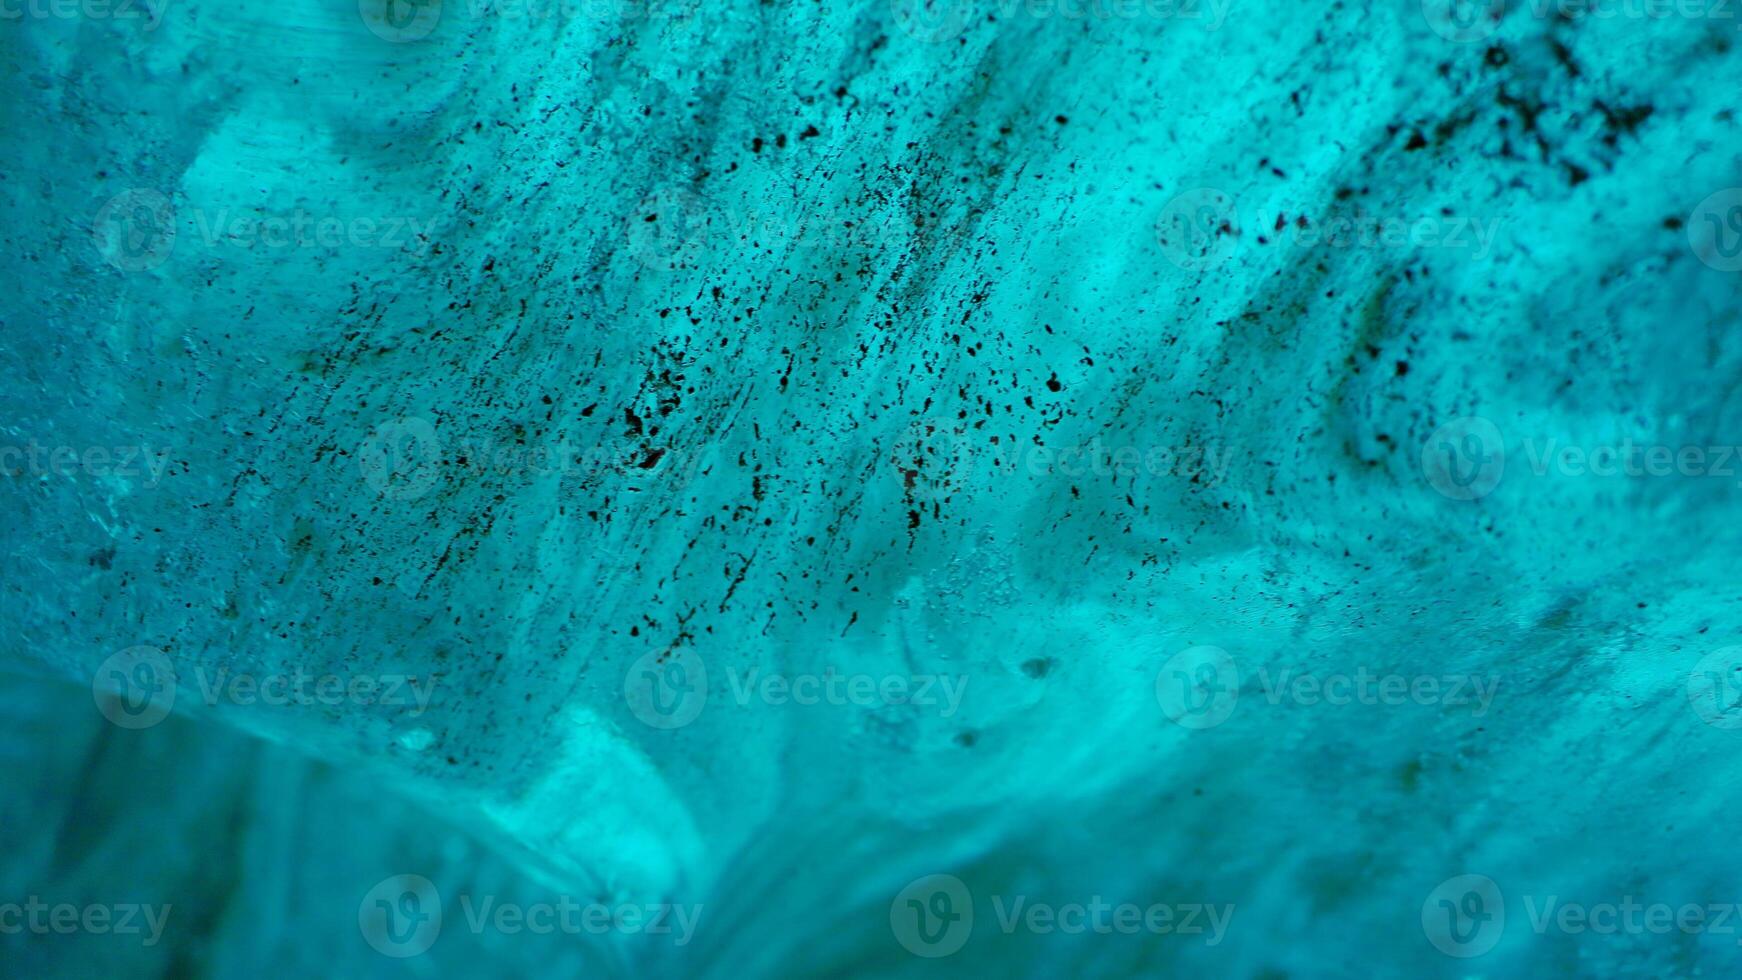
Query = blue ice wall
x=870 y=487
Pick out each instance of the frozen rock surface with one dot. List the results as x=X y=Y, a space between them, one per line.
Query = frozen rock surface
x=608 y=382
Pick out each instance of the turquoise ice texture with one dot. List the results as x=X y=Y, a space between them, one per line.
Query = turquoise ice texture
x=1167 y=382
